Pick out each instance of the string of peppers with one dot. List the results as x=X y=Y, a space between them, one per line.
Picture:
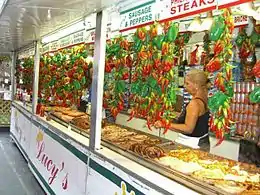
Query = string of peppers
x=219 y=104
x=63 y=76
x=24 y=72
x=153 y=88
x=117 y=67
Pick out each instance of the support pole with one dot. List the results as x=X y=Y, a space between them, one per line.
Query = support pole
x=13 y=83
x=98 y=80
x=36 y=76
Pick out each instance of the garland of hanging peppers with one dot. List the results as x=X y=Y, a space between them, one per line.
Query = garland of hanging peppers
x=24 y=72
x=219 y=104
x=245 y=43
x=153 y=88
x=117 y=67
x=255 y=94
x=63 y=76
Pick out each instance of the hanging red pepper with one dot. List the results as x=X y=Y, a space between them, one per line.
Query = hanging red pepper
x=214 y=65
x=143 y=55
x=120 y=106
x=165 y=48
x=166 y=126
x=218 y=48
x=141 y=34
x=125 y=76
x=132 y=114
x=256 y=69
x=156 y=64
x=229 y=74
x=128 y=61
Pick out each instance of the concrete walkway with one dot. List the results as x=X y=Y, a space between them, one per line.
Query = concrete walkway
x=15 y=176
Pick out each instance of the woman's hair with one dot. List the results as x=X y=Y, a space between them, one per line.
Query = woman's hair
x=199 y=77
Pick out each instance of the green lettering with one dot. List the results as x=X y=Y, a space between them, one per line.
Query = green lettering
x=139 y=12
x=150 y=17
x=149 y=8
x=130 y=15
x=131 y=22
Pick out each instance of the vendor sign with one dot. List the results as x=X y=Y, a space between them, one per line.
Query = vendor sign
x=240 y=20
x=174 y=9
x=136 y=16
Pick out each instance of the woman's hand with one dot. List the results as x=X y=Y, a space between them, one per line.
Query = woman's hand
x=158 y=124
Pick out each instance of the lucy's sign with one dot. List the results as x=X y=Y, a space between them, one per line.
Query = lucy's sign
x=53 y=168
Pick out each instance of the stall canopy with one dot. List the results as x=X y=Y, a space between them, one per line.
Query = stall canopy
x=23 y=21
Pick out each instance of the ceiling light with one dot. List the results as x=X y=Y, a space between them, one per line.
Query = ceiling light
x=207 y=23
x=64 y=32
x=195 y=25
x=49 y=14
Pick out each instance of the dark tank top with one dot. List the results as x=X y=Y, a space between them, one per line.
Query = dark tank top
x=201 y=127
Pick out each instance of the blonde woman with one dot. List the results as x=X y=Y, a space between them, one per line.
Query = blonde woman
x=193 y=121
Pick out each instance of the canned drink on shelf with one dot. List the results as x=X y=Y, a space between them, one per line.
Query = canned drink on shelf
x=244 y=119
x=233 y=107
x=254 y=120
x=241 y=118
x=255 y=109
x=249 y=119
x=239 y=129
x=238 y=89
x=248 y=86
x=245 y=111
x=250 y=109
x=243 y=87
x=235 y=88
x=238 y=97
x=243 y=108
x=251 y=88
x=242 y=98
x=236 y=117
x=234 y=100
x=237 y=108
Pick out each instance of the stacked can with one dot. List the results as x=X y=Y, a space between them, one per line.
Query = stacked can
x=245 y=113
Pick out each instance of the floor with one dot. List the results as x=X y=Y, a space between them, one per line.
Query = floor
x=15 y=176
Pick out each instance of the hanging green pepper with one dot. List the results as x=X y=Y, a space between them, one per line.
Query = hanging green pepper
x=152 y=82
x=138 y=45
x=52 y=82
x=67 y=87
x=254 y=38
x=145 y=91
x=77 y=84
x=114 y=49
x=229 y=90
x=240 y=39
x=217 y=28
x=172 y=32
x=216 y=101
x=172 y=95
x=83 y=80
x=255 y=95
x=158 y=41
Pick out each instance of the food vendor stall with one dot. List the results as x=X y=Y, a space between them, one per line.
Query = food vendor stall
x=73 y=152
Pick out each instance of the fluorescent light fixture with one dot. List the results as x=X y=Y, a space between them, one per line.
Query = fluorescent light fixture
x=195 y=25
x=207 y=23
x=2 y=2
x=64 y=32
x=49 y=14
